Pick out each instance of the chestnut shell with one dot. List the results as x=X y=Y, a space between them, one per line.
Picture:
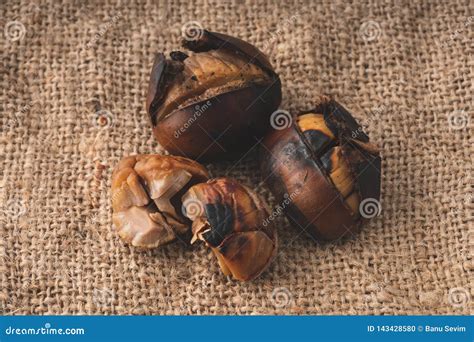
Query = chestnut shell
x=231 y=221
x=291 y=164
x=233 y=122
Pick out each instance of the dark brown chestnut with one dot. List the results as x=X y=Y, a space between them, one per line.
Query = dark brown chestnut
x=230 y=218
x=215 y=103
x=324 y=162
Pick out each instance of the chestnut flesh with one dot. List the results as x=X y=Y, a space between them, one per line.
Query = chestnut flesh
x=229 y=217
x=215 y=103
x=146 y=197
x=325 y=163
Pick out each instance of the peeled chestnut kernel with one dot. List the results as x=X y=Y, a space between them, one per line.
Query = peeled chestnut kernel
x=326 y=165
x=229 y=218
x=215 y=103
x=146 y=197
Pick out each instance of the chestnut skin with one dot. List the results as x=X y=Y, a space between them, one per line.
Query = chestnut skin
x=232 y=220
x=326 y=164
x=214 y=104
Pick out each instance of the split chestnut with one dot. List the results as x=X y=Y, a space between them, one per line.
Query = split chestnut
x=156 y=199
x=215 y=103
x=325 y=163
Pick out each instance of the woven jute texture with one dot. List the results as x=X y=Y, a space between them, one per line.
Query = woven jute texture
x=73 y=85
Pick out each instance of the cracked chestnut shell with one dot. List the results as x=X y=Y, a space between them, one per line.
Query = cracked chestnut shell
x=215 y=103
x=326 y=165
x=229 y=217
x=146 y=197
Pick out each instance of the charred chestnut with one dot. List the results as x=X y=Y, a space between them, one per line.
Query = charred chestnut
x=146 y=197
x=325 y=163
x=229 y=218
x=215 y=103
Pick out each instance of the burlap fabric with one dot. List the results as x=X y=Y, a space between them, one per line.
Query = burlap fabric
x=74 y=78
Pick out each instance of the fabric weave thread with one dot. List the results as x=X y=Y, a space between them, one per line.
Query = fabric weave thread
x=74 y=80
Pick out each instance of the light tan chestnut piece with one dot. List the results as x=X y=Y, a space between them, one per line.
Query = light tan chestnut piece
x=232 y=220
x=146 y=197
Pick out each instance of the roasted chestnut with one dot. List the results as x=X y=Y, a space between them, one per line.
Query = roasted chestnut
x=146 y=197
x=214 y=104
x=324 y=162
x=229 y=218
